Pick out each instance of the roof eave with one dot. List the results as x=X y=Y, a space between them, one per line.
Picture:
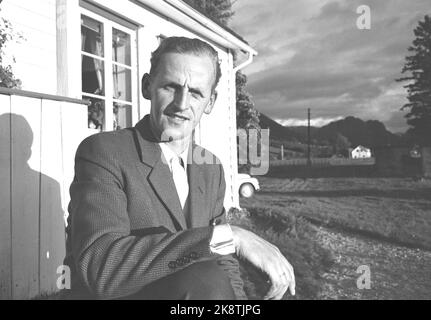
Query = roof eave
x=192 y=19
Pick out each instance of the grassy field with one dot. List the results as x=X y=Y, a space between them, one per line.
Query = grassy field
x=343 y=222
x=398 y=209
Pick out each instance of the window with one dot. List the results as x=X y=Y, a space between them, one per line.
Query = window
x=109 y=72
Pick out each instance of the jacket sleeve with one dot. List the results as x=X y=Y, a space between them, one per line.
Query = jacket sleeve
x=110 y=261
x=228 y=263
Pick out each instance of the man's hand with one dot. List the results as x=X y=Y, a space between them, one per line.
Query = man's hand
x=267 y=258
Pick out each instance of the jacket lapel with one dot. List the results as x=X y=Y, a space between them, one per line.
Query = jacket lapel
x=159 y=176
x=162 y=182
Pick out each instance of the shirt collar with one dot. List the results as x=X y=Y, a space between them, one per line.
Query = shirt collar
x=168 y=153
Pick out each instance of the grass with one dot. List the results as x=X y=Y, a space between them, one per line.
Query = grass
x=369 y=219
x=394 y=209
x=295 y=238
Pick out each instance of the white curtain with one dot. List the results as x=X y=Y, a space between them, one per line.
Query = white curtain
x=91 y=41
x=96 y=47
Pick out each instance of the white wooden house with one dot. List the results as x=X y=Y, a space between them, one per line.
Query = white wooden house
x=75 y=51
x=360 y=152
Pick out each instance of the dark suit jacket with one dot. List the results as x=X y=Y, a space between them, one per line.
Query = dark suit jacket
x=126 y=226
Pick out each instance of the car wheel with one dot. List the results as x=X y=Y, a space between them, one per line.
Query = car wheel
x=246 y=190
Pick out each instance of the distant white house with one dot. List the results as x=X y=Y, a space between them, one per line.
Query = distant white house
x=360 y=152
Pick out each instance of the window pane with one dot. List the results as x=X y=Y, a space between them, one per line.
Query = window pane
x=121 y=47
x=122 y=83
x=122 y=116
x=96 y=113
x=93 y=75
x=91 y=36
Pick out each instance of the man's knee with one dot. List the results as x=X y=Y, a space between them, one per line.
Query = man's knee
x=200 y=281
x=207 y=281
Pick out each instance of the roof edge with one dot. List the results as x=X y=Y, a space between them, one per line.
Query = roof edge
x=203 y=25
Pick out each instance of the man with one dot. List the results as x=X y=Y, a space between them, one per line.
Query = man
x=147 y=219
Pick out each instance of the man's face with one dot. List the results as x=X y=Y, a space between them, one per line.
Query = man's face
x=180 y=92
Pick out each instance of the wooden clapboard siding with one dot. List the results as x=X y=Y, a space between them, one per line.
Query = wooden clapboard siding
x=35 y=54
x=25 y=152
x=74 y=130
x=52 y=235
x=5 y=199
x=38 y=141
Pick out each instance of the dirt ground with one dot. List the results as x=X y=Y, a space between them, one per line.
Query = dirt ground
x=382 y=224
x=395 y=272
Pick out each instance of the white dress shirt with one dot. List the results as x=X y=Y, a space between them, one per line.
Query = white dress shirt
x=178 y=170
x=222 y=238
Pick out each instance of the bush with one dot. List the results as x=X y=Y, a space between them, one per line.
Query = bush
x=7 y=79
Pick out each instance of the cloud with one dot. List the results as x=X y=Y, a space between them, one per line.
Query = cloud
x=316 y=122
x=311 y=55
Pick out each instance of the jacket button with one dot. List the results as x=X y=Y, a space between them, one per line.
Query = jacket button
x=172 y=265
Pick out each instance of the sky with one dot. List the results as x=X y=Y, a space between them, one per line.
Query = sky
x=313 y=55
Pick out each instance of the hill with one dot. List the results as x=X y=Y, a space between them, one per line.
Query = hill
x=277 y=131
x=371 y=133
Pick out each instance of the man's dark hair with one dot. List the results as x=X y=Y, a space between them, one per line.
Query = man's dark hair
x=186 y=46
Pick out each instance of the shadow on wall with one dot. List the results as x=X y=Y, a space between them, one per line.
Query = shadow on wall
x=32 y=228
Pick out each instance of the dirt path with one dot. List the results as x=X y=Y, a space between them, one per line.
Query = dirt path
x=396 y=272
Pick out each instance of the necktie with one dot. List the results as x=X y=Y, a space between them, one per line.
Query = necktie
x=180 y=179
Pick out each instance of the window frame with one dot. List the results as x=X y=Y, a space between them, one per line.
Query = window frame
x=108 y=26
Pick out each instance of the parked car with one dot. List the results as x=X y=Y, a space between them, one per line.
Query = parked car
x=246 y=185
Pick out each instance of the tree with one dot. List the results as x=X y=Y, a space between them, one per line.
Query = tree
x=220 y=11
x=247 y=117
x=7 y=79
x=341 y=145
x=418 y=65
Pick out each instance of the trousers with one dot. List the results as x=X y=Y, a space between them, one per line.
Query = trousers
x=200 y=281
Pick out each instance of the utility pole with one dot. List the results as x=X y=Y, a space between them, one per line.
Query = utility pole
x=309 y=139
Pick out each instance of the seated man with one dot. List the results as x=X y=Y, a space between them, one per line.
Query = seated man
x=146 y=219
